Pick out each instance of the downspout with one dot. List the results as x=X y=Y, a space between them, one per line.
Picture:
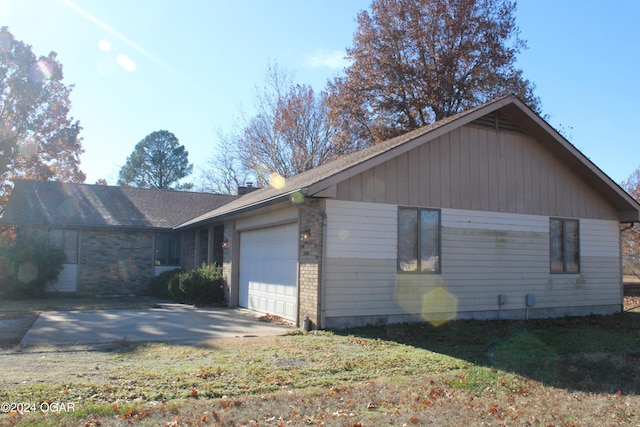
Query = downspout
x=323 y=257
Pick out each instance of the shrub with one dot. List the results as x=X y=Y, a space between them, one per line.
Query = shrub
x=202 y=286
x=29 y=264
x=160 y=285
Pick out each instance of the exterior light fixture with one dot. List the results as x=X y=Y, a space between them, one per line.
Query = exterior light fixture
x=225 y=244
x=305 y=236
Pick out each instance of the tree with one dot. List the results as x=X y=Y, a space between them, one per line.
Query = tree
x=224 y=172
x=38 y=139
x=289 y=133
x=631 y=236
x=158 y=161
x=414 y=62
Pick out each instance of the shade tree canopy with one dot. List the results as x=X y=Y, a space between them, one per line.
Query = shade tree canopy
x=158 y=161
x=414 y=62
x=38 y=138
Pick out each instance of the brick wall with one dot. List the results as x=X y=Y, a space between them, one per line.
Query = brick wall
x=115 y=262
x=232 y=300
x=310 y=261
x=188 y=249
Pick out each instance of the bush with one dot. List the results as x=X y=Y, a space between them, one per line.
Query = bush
x=202 y=286
x=28 y=265
x=160 y=285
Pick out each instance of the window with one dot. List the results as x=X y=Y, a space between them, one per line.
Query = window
x=418 y=240
x=167 y=249
x=564 y=245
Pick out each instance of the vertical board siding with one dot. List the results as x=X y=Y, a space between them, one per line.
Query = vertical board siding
x=474 y=168
x=484 y=254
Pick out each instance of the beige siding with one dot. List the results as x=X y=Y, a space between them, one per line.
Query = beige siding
x=484 y=254
x=277 y=217
x=361 y=230
x=475 y=168
x=67 y=280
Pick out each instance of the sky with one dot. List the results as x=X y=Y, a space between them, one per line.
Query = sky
x=192 y=67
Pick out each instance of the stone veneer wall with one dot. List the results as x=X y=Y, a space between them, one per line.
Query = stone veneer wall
x=115 y=262
x=310 y=262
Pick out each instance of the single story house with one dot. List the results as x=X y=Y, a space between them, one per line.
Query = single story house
x=490 y=213
x=486 y=214
x=115 y=239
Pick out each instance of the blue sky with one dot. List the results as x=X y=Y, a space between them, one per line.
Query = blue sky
x=191 y=66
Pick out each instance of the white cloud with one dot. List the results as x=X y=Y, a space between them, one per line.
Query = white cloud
x=334 y=59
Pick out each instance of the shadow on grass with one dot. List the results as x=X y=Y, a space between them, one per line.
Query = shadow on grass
x=599 y=354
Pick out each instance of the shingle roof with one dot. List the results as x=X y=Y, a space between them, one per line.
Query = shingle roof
x=327 y=170
x=315 y=180
x=69 y=204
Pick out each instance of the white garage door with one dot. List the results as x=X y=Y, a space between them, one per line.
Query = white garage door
x=268 y=270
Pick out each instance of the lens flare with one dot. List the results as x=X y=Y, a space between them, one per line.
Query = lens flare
x=426 y=295
x=297 y=198
x=29 y=149
x=125 y=62
x=439 y=306
x=104 y=45
x=276 y=180
x=45 y=69
x=27 y=272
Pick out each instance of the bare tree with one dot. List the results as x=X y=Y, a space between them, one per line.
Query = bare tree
x=631 y=236
x=223 y=172
x=288 y=134
x=414 y=62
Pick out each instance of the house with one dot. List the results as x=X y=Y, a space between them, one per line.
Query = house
x=490 y=213
x=486 y=214
x=115 y=239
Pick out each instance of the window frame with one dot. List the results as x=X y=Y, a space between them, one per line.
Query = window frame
x=563 y=243
x=159 y=236
x=418 y=211
x=68 y=240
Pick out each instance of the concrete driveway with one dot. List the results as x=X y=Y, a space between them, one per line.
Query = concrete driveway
x=170 y=322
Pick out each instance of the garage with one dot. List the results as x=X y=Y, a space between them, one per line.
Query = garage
x=268 y=270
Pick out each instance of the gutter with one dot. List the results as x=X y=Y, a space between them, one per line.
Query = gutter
x=215 y=218
x=323 y=257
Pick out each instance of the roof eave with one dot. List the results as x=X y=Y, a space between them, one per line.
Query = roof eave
x=225 y=215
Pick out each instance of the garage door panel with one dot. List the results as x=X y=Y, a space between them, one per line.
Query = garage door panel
x=268 y=270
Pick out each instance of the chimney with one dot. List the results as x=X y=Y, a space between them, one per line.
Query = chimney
x=246 y=189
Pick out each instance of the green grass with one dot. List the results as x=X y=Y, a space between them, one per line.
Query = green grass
x=543 y=372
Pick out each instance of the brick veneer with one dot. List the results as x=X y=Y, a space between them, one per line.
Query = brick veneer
x=115 y=262
x=310 y=262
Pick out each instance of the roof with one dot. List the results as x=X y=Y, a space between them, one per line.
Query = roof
x=69 y=204
x=315 y=181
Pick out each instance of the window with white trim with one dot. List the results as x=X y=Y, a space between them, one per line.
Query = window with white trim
x=418 y=240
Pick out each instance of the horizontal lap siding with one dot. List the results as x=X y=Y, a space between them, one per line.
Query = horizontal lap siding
x=484 y=254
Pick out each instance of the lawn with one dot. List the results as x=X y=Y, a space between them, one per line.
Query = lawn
x=563 y=372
